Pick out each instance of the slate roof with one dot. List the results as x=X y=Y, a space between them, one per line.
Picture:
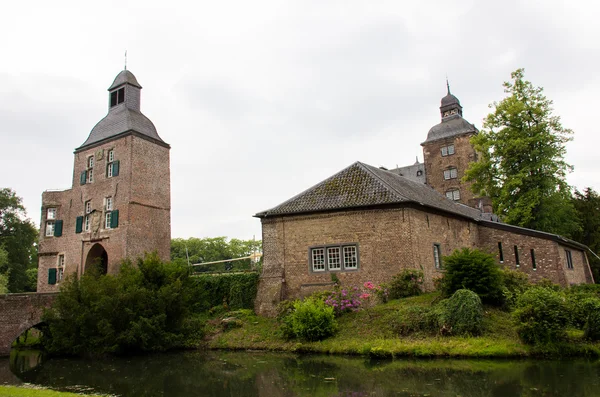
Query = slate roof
x=124 y=77
x=451 y=126
x=412 y=172
x=450 y=100
x=362 y=185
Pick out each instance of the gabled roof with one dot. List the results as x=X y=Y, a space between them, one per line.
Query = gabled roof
x=362 y=185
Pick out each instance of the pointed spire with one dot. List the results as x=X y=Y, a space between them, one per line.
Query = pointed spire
x=416 y=160
x=448 y=85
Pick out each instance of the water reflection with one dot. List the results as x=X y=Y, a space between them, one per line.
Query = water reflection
x=270 y=374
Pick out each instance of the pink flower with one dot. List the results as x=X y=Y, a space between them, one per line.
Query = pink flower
x=369 y=285
x=364 y=296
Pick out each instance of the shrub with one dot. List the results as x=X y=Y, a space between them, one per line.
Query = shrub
x=462 y=314
x=344 y=300
x=473 y=270
x=143 y=308
x=515 y=283
x=415 y=319
x=541 y=316
x=589 y=289
x=592 y=324
x=311 y=320
x=234 y=291
x=406 y=283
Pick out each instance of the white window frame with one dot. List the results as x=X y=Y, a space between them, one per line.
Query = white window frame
x=88 y=207
x=60 y=267
x=453 y=194
x=451 y=173
x=318 y=259
x=90 y=162
x=51 y=213
x=50 y=228
x=107 y=219
x=350 y=257
x=109 y=170
x=108 y=206
x=447 y=150
x=86 y=223
x=334 y=258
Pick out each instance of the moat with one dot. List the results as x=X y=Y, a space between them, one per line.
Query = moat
x=222 y=373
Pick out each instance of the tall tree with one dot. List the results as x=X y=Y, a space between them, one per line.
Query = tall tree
x=587 y=205
x=17 y=238
x=212 y=249
x=521 y=163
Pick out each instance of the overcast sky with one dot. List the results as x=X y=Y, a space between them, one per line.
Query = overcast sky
x=260 y=100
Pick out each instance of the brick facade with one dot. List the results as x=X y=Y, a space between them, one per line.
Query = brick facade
x=390 y=240
x=140 y=196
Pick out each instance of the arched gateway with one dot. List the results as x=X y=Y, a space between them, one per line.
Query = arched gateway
x=97 y=256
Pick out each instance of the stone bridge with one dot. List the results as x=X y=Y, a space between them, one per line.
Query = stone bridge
x=18 y=313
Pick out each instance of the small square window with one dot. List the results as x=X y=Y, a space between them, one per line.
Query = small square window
x=450 y=173
x=49 y=228
x=51 y=213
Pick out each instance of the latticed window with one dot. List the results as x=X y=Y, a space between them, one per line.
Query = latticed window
x=450 y=173
x=334 y=258
x=318 y=259
x=447 y=150
x=350 y=257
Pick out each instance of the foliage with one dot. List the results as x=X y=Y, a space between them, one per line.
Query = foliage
x=311 y=320
x=416 y=319
x=18 y=237
x=473 y=270
x=542 y=316
x=521 y=165
x=515 y=283
x=213 y=249
x=143 y=308
x=587 y=205
x=592 y=325
x=3 y=276
x=32 y=275
x=408 y=282
x=344 y=300
x=234 y=291
x=462 y=314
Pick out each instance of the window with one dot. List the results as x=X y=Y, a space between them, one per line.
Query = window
x=49 y=228
x=107 y=219
x=108 y=204
x=90 y=162
x=334 y=258
x=569 y=259
x=87 y=176
x=112 y=165
x=318 y=259
x=51 y=213
x=447 y=150
x=86 y=226
x=90 y=176
x=419 y=173
x=350 y=258
x=117 y=97
x=453 y=194
x=437 y=256
x=88 y=206
x=450 y=173
x=60 y=267
x=517 y=256
x=500 y=253
x=533 y=264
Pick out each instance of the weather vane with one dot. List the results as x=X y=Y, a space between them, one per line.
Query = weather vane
x=125 y=59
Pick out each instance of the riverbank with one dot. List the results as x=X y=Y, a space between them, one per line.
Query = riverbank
x=36 y=391
x=370 y=332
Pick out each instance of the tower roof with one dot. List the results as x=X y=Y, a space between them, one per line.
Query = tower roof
x=453 y=123
x=125 y=77
x=124 y=115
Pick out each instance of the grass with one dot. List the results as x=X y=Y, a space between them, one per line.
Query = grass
x=31 y=391
x=369 y=333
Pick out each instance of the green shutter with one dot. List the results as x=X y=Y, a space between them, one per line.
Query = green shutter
x=114 y=219
x=79 y=224
x=115 y=166
x=51 y=276
x=58 y=228
x=83 y=178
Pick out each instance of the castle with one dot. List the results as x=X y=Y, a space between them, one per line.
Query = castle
x=368 y=224
x=119 y=205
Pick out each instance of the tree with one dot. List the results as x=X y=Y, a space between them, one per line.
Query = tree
x=17 y=237
x=212 y=249
x=3 y=277
x=587 y=204
x=521 y=163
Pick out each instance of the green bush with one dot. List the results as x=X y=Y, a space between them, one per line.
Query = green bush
x=542 y=316
x=143 y=308
x=592 y=324
x=416 y=319
x=473 y=270
x=311 y=320
x=406 y=283
x=589 y=289
x=234 y=291
x=462 y=314
x=515 y=283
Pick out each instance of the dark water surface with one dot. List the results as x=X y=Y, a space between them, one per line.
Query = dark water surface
x=276 y=374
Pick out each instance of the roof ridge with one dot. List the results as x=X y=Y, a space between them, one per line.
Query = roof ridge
x=394 y=190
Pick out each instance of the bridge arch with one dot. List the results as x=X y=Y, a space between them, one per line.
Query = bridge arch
x=97 y=256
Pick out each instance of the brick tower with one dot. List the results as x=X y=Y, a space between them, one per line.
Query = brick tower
x=119 y=205
x=447 y=152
